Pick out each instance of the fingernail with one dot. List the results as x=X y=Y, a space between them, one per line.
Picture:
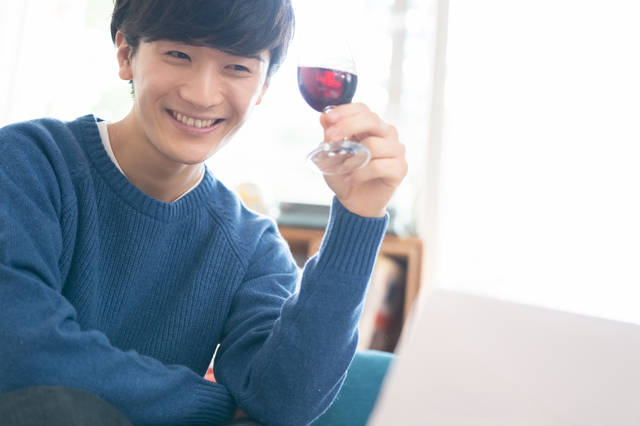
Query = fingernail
x=331 y=114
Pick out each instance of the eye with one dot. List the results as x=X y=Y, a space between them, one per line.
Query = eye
x=241 y=68
x=178 y=55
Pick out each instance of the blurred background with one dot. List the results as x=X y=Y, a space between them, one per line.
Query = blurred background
x=521 y=121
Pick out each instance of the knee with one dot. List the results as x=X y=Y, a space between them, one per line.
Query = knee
x=57 y=405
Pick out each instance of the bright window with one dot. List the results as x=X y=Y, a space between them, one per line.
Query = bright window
x=540 y=184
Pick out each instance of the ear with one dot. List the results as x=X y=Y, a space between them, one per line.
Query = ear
x=265 y=86
x=123 y=54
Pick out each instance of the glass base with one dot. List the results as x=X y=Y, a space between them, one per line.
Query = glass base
x=338 y=158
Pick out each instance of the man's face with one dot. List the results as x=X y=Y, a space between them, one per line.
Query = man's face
x=190 y=100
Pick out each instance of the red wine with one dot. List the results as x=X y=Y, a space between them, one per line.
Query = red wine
x=322 y=87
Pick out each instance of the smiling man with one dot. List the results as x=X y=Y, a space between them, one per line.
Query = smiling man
x=125 y=264
x=189 y=102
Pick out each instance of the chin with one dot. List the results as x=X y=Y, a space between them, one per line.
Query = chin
x=192 y=160
x=196 y=155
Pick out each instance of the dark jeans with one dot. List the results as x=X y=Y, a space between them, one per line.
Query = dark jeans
x=57 y=406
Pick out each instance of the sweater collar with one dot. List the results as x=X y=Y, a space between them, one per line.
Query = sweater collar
x=129 y=193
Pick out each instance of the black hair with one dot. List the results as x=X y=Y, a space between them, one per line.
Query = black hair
x=238 y=27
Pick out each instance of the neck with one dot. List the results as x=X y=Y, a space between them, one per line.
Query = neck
x=146 y=168
x=167 y=187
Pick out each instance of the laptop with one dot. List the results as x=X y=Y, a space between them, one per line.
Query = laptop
x=470 y=360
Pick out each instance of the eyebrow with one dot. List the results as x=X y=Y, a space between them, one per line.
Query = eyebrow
x=258 y=56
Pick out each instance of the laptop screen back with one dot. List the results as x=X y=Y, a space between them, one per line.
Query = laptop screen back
x=477 y=361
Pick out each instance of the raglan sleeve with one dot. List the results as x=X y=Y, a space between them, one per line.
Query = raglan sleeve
x=41 y=342
x=285 y=354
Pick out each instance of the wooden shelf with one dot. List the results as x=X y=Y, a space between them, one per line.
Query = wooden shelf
x=304 y=243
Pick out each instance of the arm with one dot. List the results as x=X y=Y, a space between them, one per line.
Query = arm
x=41 y=341
x=295 y=374
x=285 y=362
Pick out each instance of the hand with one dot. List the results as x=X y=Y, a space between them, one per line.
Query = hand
x=366 y=191
x=239 y=414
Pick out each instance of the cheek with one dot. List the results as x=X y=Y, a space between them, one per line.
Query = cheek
x=251 y=96
x=151 y=82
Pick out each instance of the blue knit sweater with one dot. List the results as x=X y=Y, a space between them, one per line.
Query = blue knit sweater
x=106 y=289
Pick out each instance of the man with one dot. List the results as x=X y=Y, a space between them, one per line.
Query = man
x=124 y=263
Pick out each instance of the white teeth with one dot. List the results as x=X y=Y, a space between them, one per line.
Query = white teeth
x=192 y=121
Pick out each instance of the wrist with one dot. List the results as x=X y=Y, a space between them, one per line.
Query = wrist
x=364 y=210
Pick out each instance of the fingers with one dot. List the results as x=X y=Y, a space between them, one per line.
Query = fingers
x=387 y=164
x=352 y=121
x=356 y=122
x=386 y=147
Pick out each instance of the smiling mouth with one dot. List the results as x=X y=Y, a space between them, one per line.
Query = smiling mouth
x=194 y=122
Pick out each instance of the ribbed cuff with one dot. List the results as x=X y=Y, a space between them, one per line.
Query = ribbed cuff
x=351 y=242
x=214 y=404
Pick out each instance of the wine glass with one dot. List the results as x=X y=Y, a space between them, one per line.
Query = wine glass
x=327 y=77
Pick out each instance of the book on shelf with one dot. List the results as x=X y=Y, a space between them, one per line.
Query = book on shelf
x=303 y=215
x=317 y=216
x=382 y=315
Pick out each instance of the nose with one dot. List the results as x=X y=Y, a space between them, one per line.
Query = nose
x=203 y=88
